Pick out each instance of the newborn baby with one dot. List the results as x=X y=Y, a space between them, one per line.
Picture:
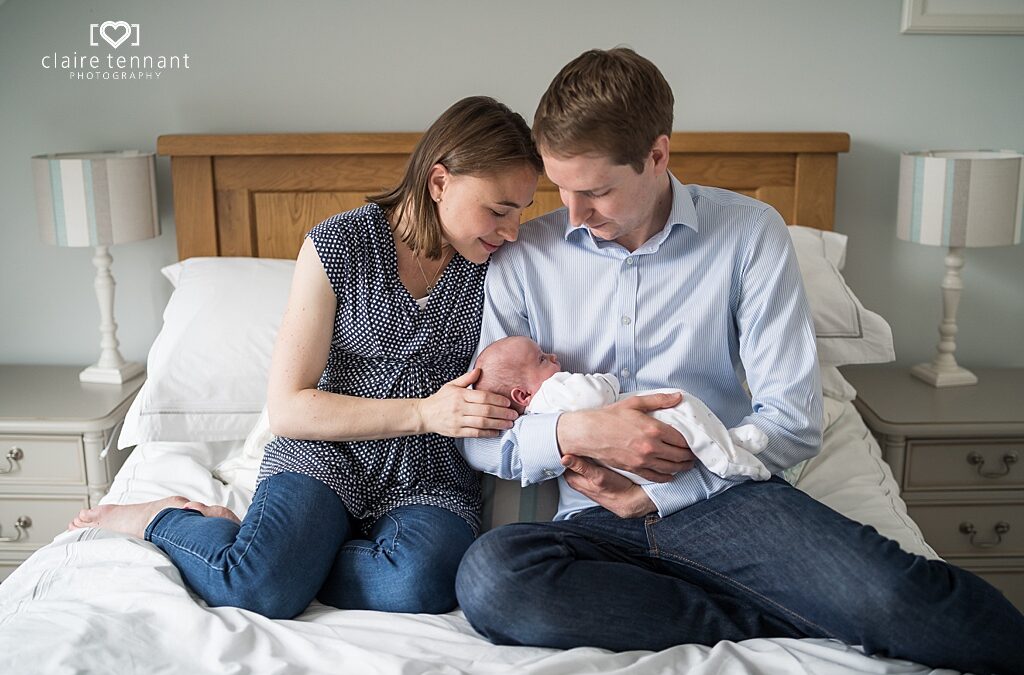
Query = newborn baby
x=517 y=368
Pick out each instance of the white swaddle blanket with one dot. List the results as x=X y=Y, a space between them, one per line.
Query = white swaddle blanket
x=728 y=453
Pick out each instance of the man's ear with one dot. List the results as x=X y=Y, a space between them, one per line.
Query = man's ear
x=520 y=396
x=660 y=154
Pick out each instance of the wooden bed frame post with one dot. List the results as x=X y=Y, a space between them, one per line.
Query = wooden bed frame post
x=815 y=190
x=195 y=216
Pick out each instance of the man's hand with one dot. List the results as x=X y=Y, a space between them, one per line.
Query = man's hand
x=611 y=490
x=623 y=435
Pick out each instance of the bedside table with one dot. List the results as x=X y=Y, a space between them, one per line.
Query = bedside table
x=53 y=430
x=958 y=455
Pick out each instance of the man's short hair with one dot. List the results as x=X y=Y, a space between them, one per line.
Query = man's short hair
x=610 y=102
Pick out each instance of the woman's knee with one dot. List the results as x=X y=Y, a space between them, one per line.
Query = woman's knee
x=276 y=605
x=389 y=587
x=272 y=600
x=430 y=593
x=427 y=565
x=409 y=571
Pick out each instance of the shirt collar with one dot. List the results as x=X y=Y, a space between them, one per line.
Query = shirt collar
x=682 y=213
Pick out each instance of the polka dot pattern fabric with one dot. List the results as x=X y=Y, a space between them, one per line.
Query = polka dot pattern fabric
x=386 y=346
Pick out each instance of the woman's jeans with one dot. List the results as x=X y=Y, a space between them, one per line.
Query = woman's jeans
x=296 y=543
x=762 y=559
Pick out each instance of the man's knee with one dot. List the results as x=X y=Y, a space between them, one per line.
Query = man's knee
x=498 y=583
x=478 y=571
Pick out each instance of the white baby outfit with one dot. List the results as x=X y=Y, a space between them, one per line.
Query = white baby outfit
x=725 y=452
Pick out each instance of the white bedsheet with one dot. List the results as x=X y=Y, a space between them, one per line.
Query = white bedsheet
x=95 y=601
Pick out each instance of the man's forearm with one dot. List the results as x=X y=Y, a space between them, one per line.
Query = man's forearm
x=625 y=436
x=568 y=434
x=527 y=452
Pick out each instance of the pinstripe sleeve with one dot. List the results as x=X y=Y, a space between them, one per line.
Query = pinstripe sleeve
x=687 y=488
x=777 y=348
x=776 y=338
x=529 y=450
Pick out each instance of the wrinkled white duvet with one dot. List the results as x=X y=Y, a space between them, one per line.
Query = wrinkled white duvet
x=98 y=602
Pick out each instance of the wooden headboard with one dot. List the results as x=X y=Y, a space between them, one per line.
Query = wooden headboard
x=257 y=195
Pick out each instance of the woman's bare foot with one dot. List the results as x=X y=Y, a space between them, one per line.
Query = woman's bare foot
x=130 y=519
x=213 y=511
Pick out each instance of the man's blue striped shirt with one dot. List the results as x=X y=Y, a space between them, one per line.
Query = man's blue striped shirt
x=713 y=299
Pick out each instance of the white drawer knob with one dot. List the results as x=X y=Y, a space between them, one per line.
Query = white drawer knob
x=21 y=525
x=14 y=455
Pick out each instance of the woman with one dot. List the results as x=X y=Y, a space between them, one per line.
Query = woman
x=363 y=501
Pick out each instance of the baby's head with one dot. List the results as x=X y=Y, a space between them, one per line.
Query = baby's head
x=515 y=367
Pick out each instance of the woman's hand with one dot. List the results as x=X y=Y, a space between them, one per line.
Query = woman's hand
x=459 y=412
x=611 y=490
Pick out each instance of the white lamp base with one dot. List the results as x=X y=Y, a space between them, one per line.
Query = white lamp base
x=111 y=368
x=936 y=377
x=944 y=371
x=118 y=375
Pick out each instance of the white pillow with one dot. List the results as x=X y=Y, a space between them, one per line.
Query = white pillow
x=835 y=386
x=830 y=244
x=242 y=468
x=850 y=476
x=207 y=370
x=846 y=332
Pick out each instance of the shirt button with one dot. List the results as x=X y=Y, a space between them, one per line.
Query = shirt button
x=629 y=261
x=626 y=321
x=624 y=372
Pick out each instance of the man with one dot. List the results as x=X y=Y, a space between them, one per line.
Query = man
x=667 y=285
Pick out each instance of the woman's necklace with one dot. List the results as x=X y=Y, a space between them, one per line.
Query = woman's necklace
x=432 y=282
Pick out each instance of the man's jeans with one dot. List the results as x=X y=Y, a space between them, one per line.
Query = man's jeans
x=762 y=559
x=296 y=544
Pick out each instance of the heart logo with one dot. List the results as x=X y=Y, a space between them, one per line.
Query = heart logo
x=108 y=27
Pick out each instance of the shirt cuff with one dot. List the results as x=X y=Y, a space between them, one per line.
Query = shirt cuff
x=539 y=457
x=686 y=489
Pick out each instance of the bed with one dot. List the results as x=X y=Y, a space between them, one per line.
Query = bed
x=96 y=601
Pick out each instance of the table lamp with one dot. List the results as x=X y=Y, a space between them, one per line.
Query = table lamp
x=98 y=199
x=959 y=199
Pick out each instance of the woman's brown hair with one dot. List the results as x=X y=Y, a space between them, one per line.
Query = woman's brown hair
x=476 y=136
x=614 y=102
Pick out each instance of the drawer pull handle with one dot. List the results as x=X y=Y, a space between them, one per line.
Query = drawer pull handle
x=21 y=525
x=1000 y=529
x=14 y=455
x=975 y=459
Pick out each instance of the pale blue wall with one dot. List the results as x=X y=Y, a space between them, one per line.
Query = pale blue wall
x=328 y=65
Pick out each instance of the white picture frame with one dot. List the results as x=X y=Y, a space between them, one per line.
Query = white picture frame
x=964 y=17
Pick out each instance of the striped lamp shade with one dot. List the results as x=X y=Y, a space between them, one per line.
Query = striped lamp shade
x=961 y=198
x=96 y=199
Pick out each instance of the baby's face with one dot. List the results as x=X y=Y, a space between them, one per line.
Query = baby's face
x=536 y=365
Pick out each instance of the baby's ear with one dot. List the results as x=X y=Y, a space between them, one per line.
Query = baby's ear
x=520 y=396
